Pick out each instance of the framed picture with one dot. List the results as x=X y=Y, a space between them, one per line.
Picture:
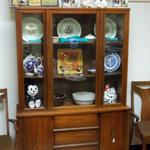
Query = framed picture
x=49 y=2
x=139 y=1
x=19 y=2
x=34 y=2
x=70 y=3
x=22 y=2
x=69 y=61
x=14 y=2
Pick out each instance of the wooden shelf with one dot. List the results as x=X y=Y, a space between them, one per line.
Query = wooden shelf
x=63 y=77
x=69 y=103
x=113 y=73
x=41 y=108
x=114 y=43
x=25 y=43
x=74 y=145
x=78 y=43
x=33 y=77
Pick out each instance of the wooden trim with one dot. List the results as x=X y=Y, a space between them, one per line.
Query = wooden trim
x=4 y=98
x=74 y=145
x=73 y=112
x=76 y=129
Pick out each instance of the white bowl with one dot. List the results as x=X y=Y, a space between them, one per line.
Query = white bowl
x=83 y=97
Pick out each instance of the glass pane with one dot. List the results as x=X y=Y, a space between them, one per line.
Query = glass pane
x=33 y=60
x=74 y=59
x=113 y=57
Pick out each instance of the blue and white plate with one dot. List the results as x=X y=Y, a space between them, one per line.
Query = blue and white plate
x=112 y=62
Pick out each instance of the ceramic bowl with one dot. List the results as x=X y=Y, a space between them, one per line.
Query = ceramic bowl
x=58 y=99
x=91 y=70
x=90 y=37
x=55 y=39
x=83 y=97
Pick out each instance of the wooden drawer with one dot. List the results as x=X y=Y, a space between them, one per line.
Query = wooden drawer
x=89 y=147
x=75 y=121
x=74 y=137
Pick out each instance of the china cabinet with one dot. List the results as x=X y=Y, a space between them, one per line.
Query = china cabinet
x=72 y=74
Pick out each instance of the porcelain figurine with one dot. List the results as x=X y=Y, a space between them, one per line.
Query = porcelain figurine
x=110 y=95
x=32 y=96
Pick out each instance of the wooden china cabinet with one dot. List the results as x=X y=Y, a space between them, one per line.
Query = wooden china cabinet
x=57 y=68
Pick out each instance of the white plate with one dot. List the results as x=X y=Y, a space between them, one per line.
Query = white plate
x=94 y=29
x=110 y=28
x=68 y=27
x=32 y=29
x=112 y=62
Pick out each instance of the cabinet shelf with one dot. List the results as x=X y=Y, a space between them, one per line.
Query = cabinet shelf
x=115 y=43
x=80 y=43
x=68 y=103
x=41 y=108
x=25 y=43
x=33 y=77
x=113 y=73
x=63 y=77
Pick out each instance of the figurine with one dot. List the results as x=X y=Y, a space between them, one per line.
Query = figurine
x=32 y=96
x=101 y=3
x=110 y=95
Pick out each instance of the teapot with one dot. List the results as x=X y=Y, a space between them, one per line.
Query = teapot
x=29 y=63
x=39 y=69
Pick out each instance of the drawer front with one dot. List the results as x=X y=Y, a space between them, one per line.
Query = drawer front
x=75 y=137
x=75 y=121
x=89 y=147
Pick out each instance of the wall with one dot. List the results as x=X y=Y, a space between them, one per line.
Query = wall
x=139 y=47
x=8 y=58
x=139 y=50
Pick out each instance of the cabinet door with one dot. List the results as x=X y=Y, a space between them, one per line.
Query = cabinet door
x=36 y=133
x=114 y=131
x=74 y=58
x=31 y=59
x=115 y=25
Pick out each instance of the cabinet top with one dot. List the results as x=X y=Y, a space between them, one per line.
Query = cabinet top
x=73 y=9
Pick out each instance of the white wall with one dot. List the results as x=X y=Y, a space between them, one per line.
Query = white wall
x=139 y=44
x=139 y=50
x=8 y=58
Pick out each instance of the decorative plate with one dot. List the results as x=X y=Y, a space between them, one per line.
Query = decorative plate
x=94 y=29
x=68 y=27
x=75 y=77
x=112 y=62
x=32 y=29
x=110 y=28
x=69 y=61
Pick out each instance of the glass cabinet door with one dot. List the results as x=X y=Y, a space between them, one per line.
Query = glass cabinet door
x=114 y=27
x=74 y=59
x=33 y=57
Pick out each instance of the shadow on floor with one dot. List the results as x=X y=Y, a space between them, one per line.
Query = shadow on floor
x=138 y=147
